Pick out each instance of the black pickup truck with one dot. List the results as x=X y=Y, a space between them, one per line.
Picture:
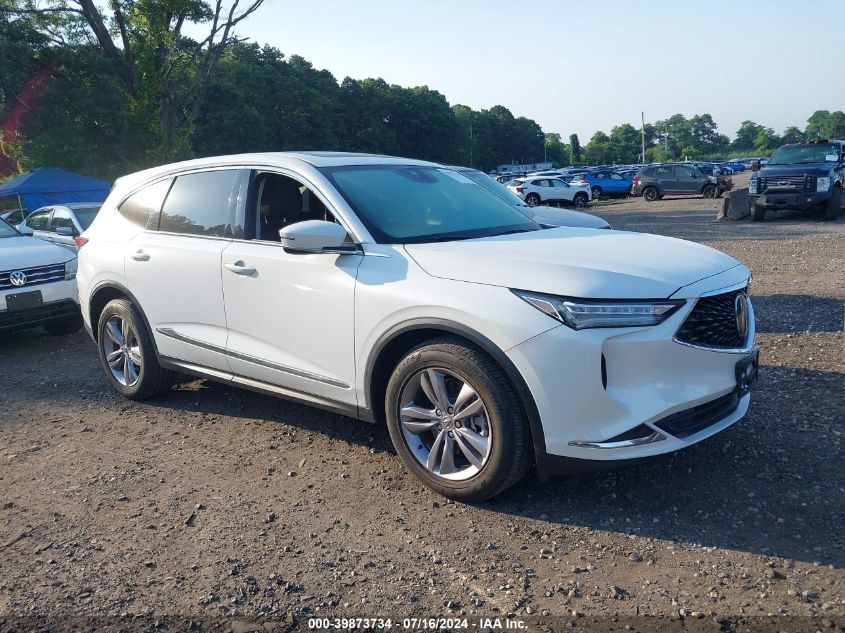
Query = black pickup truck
x=805 y=176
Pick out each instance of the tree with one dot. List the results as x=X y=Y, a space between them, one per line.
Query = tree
x=165 y=75
x=625 y=143
x=556 y=151
x=746 y=136
x=598 y=150
x=792 y=135
x=766 y=141
x=574 y=149
x=816 y=124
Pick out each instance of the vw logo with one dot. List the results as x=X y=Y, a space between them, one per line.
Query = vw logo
x=17 y=277
x=741 y=312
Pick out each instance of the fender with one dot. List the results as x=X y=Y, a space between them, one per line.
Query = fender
x=112 y=285
x=538 y=437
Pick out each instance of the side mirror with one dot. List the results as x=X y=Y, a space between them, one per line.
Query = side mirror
x=755 y=165
x=25 y=230
x=317 y=236
x=64 y=231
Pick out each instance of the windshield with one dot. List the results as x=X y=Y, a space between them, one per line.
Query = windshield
x=6 y=230
x=86 y=216
x=809 y=153
x=495 y=187
x=402 y=204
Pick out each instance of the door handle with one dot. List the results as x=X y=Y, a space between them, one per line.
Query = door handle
x=239 y=268
x=141 y=256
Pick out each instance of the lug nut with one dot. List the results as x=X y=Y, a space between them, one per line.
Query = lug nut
x=438 y=412
x=450 y=410
x=457 y=424
x=439 y=427
x=451 y=434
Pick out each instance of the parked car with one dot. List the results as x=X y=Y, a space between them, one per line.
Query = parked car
x=547 y=216
x=606 y=183
x=60 y=224
x=805 y=176
x=37 y=284
x=402 y=292
x=652 y=183
x=536 y=191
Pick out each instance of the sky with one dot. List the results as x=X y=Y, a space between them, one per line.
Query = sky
x=582 y=66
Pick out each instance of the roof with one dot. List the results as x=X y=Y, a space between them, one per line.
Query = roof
x=313 y=158
x=51 y=180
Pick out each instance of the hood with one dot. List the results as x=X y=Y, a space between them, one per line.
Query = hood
x=28 y=252
x=814 y=169
x=585 y=263
x=565 y=217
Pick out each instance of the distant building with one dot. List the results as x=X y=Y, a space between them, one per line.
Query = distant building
x=526 y=168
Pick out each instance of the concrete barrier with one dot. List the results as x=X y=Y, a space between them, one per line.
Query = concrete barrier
x=736 y=206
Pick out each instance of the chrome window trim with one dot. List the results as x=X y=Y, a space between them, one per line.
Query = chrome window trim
x=171 y=333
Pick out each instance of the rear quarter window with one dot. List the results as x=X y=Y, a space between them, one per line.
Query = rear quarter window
x=201 y=204
x=142 y=208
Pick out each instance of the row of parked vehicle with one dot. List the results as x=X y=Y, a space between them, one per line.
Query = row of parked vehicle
x=580 y=186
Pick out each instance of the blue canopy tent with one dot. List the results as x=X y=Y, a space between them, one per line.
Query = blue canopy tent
x=49 y=185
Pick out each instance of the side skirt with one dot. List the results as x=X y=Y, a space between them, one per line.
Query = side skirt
x=200 y=371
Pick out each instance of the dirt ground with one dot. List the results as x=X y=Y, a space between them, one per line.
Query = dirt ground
x=212 y=506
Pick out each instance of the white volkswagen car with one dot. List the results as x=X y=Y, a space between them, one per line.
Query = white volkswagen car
x=37 y=285
x=402 y=292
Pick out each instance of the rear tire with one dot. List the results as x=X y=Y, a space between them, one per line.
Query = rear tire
x=65 y=326
x=493 y=423
x=758 y=213
x=834 y=204
x=127 y=353
x=650 y=194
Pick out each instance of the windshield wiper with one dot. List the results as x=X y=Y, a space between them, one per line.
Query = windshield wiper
x=511 y=232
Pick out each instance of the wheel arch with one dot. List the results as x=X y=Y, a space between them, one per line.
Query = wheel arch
x=400 y=339
x=108 y=291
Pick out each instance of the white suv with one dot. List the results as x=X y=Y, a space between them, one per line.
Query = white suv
x=402 y=292
x=536 y=191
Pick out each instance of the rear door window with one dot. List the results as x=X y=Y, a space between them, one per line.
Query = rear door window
x=201 y=204
x=142 y=207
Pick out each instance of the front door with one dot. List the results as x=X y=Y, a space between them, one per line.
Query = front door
x=290 y=316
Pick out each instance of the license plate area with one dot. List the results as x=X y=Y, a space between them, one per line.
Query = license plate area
x=24 y=301
x=746 y=372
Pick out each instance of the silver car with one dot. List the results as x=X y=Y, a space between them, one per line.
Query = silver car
x=60 y=223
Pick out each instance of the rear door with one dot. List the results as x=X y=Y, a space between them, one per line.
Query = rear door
x=618 y=184
x=173 y=267
x=664 y=178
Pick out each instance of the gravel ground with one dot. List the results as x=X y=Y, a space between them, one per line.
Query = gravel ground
x=212 y=506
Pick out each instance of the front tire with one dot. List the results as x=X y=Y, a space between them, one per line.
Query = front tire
x=834 y=204
x=710 y=191
x=127 y=353
x=456 y=421
x=758 y=214
x=650 y=194
x=596 y=191
x=532 y=199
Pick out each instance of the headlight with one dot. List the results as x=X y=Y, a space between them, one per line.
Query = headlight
x=823 y=184
x=580 y=314
x=70 y=268
x=752 y=186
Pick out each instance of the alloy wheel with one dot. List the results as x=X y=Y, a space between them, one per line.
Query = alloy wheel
x=445 y=424
x=122 y=350
x=580 y=202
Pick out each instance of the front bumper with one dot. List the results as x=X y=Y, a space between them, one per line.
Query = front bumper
x=597 y=389
x=789 y=200
x=60 y=301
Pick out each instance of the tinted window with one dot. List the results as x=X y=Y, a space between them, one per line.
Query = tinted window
x=400 y=203
x=617 y=177
x=559 y=183
x=200 y=204
x=85 y=216
x=683 y=172
x=143 y=206
x=662 y=172
x=39 y=221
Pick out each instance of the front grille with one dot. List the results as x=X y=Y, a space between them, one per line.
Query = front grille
x=800 y=183
x=34 y=276
x=712 y=323
x=692 y=421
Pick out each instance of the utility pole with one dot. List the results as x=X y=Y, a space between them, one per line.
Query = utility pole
x=642 y=129
x=470 y=144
